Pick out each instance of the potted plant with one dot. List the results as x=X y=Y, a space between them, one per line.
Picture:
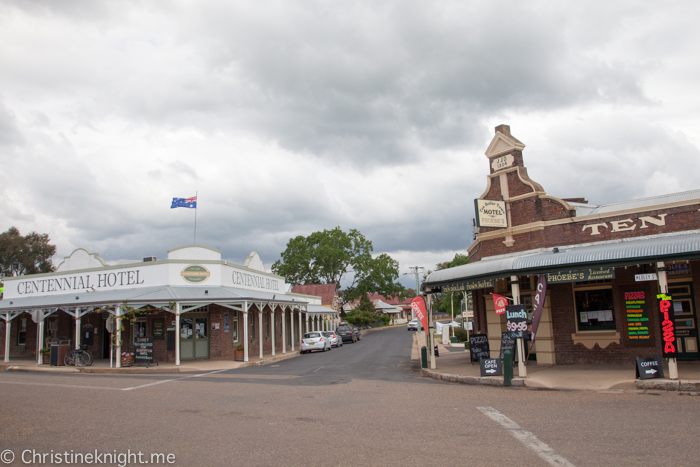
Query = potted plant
x=239 y=353
x=127 y=358
x=45 y=355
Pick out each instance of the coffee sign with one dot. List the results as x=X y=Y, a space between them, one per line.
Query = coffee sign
x=491 y=367
x=648 y=368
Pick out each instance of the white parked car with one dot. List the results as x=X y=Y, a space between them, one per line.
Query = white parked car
x=336 y=341
x=412 y=325
x=315 y=341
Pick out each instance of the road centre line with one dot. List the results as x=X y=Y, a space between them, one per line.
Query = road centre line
x=61 y=385
x=317 y=369
x=174 y=379
x=526 y=437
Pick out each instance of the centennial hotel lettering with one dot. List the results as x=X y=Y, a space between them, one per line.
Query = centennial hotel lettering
x=108 y=279
x=249 y=280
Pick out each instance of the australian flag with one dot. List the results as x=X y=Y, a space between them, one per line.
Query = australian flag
x=184 y=203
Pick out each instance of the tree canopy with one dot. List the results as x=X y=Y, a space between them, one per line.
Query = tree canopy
x=28 y=254
x=441 y=303
x=330 y=256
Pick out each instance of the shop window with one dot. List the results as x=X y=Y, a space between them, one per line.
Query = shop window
x=186 y=328
x=201 y=328
x=594 y=310
x=234 y=327
x=22 y=332
x=139 y=328
x=525 y=282
x=52 y=327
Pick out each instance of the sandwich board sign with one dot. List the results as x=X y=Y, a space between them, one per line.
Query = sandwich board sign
x=491 y=367
x=648 y=368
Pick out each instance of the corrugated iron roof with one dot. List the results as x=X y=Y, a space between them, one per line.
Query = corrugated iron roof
x=679 y=246
x=585 y=210
x=156 y=295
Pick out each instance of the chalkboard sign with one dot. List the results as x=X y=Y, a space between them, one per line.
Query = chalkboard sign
x=479 y=347
x=143 y=350
x=648 y=368
x=158 y=325
x=491 y=367
x=508 y=343
x=516 y=320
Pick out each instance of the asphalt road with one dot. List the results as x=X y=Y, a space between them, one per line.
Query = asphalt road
x=361 y=404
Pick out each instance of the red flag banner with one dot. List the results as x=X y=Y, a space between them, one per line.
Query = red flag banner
x=500 y=302
x=418 y=306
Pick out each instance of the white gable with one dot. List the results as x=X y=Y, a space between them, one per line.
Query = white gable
x=194 y=252
x=254 y=262
x=81 y=259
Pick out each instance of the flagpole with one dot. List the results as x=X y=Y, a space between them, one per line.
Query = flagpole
x=195 y=218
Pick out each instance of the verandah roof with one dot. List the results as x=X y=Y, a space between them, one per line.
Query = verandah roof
x=677 y=246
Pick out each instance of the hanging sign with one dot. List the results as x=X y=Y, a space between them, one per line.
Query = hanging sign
x=668 y=326
x=158 y=325
x=637 y=316
x=490 y=213
x=648 y=368
x=582 y=275
x=499 y=302
x=491 y=367
x=418 y=306
x=645 y=277
x=109 y=324
x=516 y=320
x=479 y=347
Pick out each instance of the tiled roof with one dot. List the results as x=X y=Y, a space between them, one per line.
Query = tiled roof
x=325 y=291
x=391 y=301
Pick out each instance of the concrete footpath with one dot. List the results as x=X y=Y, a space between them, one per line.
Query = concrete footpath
x=454 y=365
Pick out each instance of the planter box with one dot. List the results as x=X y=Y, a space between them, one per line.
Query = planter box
x=239 y=355
x=127 y=360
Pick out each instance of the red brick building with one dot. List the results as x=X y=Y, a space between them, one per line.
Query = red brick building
x=596 y=259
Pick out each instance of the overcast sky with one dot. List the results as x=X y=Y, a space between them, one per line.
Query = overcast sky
x=291 y=117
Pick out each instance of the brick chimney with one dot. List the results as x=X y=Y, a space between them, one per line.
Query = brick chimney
x=505 y=129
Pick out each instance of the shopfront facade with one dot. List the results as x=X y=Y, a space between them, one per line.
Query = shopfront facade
x=191 y=306
x=602 y=265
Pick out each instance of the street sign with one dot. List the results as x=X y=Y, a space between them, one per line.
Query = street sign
x=491 y=367
x=645 y=277
x=648 y=368
x=479 y=347
x=109 y=324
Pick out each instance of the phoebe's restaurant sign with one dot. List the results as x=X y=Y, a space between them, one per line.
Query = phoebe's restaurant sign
x=490 y=213
x=582 y=275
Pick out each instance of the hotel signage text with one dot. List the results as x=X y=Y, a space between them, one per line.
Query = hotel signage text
x=466 y=286
x=252 y=280
x=490 y=213
x=80 y=282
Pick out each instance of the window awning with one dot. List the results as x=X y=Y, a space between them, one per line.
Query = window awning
x=674 y=247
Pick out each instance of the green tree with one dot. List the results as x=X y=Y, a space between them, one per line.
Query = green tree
x=441 y=302
x=364 y=313
x=330 y=256
x=28 y=254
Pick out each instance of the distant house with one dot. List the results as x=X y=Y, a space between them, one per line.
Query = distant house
x=327 y=292
x=399 y=310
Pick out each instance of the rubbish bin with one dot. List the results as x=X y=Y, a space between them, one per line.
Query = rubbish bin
x=424 y=357
x=59 y=349
x=437 y=354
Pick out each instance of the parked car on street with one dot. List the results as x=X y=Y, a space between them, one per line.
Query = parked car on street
x=412 y=325
x=347 y=334
x=315 y=341
x=336 y=341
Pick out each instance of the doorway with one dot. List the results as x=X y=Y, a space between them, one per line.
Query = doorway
x=194 y=336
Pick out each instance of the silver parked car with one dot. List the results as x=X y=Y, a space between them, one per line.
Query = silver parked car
x=336 y=341
x=315 y=341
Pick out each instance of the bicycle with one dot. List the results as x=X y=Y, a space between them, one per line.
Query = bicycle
x=78 y=357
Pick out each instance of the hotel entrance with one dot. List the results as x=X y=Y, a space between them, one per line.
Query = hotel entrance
x=194 y=335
